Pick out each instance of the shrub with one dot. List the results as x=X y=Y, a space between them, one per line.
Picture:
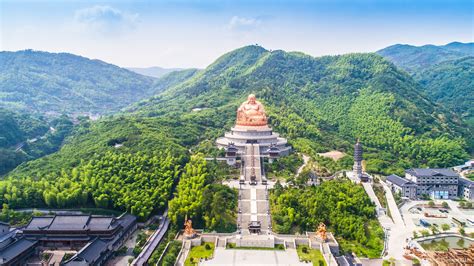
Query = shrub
x=304 y=249
x=445 y=227
x=207 y=246
x=445 y=205
x=431 y=204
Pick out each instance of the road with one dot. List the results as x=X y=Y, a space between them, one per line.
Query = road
x=398 y=233
x=153 y=242
x=305 y=162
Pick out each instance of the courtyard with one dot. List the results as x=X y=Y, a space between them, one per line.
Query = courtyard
x=241 y=257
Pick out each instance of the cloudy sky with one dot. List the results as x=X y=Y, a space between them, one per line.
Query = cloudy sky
x=194 y=33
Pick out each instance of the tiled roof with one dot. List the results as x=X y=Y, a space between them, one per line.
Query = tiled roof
x=69 y=222
x=12 y=250
x=73 y=222
x=399 y=181
x=466 y=182
x=431 y=172
x=90 y=253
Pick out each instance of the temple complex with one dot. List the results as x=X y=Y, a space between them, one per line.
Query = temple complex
x=251 y=140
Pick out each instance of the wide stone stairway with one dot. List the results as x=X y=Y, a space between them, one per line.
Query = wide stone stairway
x=253 y=198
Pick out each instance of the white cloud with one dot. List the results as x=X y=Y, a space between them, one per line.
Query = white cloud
x=105 y=19
x=243 y=23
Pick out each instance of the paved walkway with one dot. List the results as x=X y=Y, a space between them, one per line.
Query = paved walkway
x=243 y=257
x=398 y=233
x=153 y=242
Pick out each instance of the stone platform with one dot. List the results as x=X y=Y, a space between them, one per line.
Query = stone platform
x=264 y=136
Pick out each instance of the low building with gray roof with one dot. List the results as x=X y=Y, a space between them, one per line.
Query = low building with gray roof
x=466 y=189
x=400 y=185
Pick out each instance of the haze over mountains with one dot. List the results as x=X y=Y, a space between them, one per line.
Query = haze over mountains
x=155 y=71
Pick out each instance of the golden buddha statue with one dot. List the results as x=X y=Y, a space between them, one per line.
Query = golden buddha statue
x=251 y=113
x=321 y=232
x=189 y=232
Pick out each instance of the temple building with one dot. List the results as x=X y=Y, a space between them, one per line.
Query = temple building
x=251 y=127
x=436 y=183
x=96 y=238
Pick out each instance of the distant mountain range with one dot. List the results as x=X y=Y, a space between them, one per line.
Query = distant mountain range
x=417 y=58
x=65 y=83
x=445 y=72
x=155 y=72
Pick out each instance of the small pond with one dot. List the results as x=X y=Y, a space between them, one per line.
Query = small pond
x=443 y=243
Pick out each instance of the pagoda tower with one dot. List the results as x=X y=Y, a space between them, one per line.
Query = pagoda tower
x=357 y=168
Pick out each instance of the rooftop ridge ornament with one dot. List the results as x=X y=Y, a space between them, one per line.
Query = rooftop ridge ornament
x=251 y=113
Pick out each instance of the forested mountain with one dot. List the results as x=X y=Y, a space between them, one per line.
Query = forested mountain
x=66 y=83
x=323 y=103
x=417 y=58
x=451 y=83
x=25 y=137
x=317 y=103
x=446 y=73
x=155 y=72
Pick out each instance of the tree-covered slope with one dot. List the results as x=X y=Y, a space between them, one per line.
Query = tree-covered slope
x=445 y=73
x=451 y=83
x=61 y=82
x=24 y=137
x=323 y=103
x=417 y=58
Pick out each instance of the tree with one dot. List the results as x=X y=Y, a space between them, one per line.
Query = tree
x=461 y=204
x=425 y=233
x=431 y=204
x=445 y=227
x=445 y=205
x=462 y=231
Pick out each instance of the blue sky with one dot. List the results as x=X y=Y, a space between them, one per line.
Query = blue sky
x=194 y=33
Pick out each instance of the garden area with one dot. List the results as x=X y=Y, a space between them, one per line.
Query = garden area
x=307 y=254
x=204 y=251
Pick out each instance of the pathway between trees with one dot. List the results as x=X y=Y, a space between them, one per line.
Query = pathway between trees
x=153 y=241
x=305 y=162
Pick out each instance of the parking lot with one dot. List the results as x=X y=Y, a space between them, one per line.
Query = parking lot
x=419 y=216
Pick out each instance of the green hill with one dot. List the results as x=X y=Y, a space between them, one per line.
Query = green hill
x=61 y=82
x=445 y=73
x=24 y=137
x=451 y=83
x=323 y=103
x=417 y=58
x=319 y=104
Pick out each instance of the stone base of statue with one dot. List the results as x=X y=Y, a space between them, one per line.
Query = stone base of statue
x=191 y=236
x=264 y=136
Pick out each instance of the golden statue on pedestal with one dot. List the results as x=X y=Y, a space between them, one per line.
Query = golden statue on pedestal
x=321 y=232
x=251 y=113
x=189 y=232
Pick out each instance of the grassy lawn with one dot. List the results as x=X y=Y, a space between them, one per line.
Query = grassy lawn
x=277 y=247
x=203 y=251
x=313 y=255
